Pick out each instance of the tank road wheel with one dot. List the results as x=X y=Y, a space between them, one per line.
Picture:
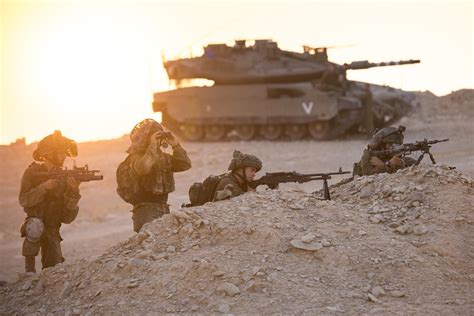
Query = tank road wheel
x=295 y=131
x=215 y=132
x=271 y=132
x=319 y=130
x=246 y=132
x=192 y=132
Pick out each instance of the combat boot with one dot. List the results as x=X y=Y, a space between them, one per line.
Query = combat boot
x=30 y=264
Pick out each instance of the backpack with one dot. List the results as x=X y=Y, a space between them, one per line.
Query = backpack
x=200 y=193
x=127 y=182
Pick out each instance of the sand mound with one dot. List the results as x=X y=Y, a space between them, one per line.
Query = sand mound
x=399 y=243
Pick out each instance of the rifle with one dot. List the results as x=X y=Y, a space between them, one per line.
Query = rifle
x=274 y=178
x=404 y=149
x=81 y=174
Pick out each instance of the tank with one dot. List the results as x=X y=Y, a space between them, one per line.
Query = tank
x=261 y=91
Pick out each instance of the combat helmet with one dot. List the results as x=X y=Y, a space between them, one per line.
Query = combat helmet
x=240 y=160
x=141 y=133
x=387 y=135
x=55 y=142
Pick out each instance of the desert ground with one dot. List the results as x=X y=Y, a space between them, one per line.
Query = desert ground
x=104 y=221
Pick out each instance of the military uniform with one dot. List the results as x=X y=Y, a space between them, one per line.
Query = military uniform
x=46 y=209
x=229 y=185
x=156 y=181
x=385 y=135
x=155 y=186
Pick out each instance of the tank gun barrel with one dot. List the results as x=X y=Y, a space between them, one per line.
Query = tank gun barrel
x=365 y=64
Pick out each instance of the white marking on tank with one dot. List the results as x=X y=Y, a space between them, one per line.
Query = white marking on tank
x=307 y=107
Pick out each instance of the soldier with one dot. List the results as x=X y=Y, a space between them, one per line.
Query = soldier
x=243 y=168
x=47 y=202
x=146 y=178
x=384 y=139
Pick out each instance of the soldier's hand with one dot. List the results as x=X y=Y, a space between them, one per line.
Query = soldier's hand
x=172 y=141
x=50 y=184
x=73 y=184
x=376 y=162
x=155 y=141
x=396 y=161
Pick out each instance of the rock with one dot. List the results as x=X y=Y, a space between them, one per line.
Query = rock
x=181 y=215
x=27 y=285
x=313 y=246
x=296 y=206
x=397 y=293
x=228 y=288
x=39 y=287
x=367 y=191
x=362 y=233
x=416 y=197
x=133 y=284
x=404 y=229
x=308 y=238
x=325 y=243
x=141 y=236
x=377 y=291
x=218 y=273
x=67 y=289
x=143 y=255
x=399 y=189
x=171 y=249
x=244 y=209
x=224 y=308
x=187 y=228
x=420 y=230
x=377 y=218
x=372 y=298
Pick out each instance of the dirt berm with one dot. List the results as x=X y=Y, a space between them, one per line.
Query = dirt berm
x=386 y=244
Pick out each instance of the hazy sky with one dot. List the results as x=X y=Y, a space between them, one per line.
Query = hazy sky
x=90 y=68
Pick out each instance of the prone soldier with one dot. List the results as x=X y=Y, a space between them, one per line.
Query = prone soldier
x=384 y=139
x=243 y=168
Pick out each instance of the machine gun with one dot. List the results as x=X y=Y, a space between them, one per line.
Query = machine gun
x=274 y=178
x=365 y=64
x=81 y=174
x=404 y=149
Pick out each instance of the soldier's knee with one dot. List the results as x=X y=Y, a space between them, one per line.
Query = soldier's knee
x=32 y=229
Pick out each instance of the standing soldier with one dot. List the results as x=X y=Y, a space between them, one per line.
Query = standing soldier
x=47 y=202
x=145 y=177
x=243 y=168
x=383 y=139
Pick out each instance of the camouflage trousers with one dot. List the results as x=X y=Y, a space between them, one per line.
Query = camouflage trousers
x=147 y=212
x=50 y=246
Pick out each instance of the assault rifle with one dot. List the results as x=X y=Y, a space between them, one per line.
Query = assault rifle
x=274 y=178
x=404 y=149
x=81 y=174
